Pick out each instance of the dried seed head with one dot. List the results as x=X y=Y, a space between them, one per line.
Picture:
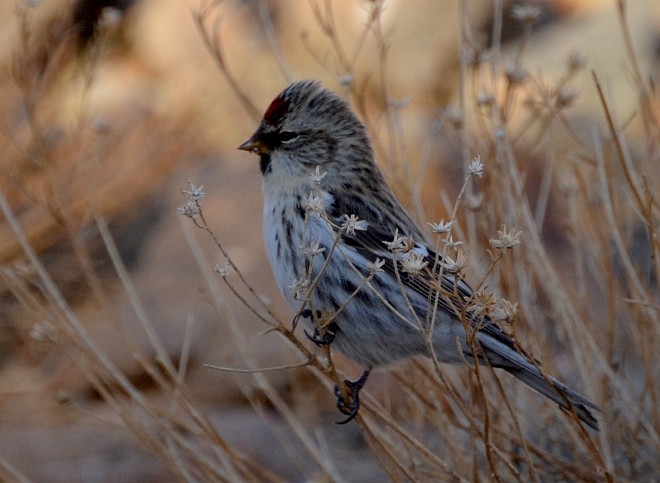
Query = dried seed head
x=526 y=14
x=507 y=239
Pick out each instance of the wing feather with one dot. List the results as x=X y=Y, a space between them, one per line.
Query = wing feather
x=371 y=244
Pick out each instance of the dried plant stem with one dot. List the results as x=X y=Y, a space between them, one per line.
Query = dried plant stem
x=212 y=43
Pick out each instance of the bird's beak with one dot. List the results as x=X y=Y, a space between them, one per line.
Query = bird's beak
x=254 y=144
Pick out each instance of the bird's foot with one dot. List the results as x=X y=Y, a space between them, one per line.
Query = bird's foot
x=350 y=404
x=324 y=336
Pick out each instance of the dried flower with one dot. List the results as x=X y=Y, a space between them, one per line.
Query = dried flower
x=476 y=54
x=313 y=249
x=353 y=223
x=398 y=104
x=23 y=269
x=456 y=266
x=454 y=116
x=317 y=176
x=43 y=331
x=398 y=243
x=481 y=302
x=314 y=204
x=376 y=266
x=413 y=263
x=507 y=239
x=195 y=193
x=110 y=18
x=222 y=267
x=476 y=167
x=189 y=209
x=504 y=311
x=526 y=14
x=499 y=133
x=441 y=227
x=485 y=99
x=299 y=288
x=346 y=80
x=450 y=243
x=566 y=181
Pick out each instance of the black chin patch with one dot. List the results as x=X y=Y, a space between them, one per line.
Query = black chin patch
x=264 y=163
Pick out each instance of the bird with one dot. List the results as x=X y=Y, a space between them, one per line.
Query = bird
x=353 y=263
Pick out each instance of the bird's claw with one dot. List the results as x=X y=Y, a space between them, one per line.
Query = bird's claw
x=325 y=338
x=350 y=404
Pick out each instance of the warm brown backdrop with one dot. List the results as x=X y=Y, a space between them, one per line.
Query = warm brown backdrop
x=121 y=134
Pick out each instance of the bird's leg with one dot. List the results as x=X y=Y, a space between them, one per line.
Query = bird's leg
x=349 y=403
x=323 y=335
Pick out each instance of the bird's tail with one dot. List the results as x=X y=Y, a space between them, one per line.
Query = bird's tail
x=509 y=359
x=564 y=396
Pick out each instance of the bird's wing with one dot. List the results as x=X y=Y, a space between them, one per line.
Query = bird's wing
x=455 y=293
x=499 y=348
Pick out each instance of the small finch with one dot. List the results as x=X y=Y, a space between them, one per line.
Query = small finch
x=352 y=262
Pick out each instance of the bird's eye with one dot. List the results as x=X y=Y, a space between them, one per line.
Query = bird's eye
x=287 y=136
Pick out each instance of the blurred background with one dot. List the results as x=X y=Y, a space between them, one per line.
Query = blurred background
x=109 y=108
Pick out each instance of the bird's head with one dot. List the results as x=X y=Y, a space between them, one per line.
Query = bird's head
x=307 y=126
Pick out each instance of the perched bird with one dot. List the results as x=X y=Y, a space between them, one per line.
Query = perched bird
x=348 y=257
